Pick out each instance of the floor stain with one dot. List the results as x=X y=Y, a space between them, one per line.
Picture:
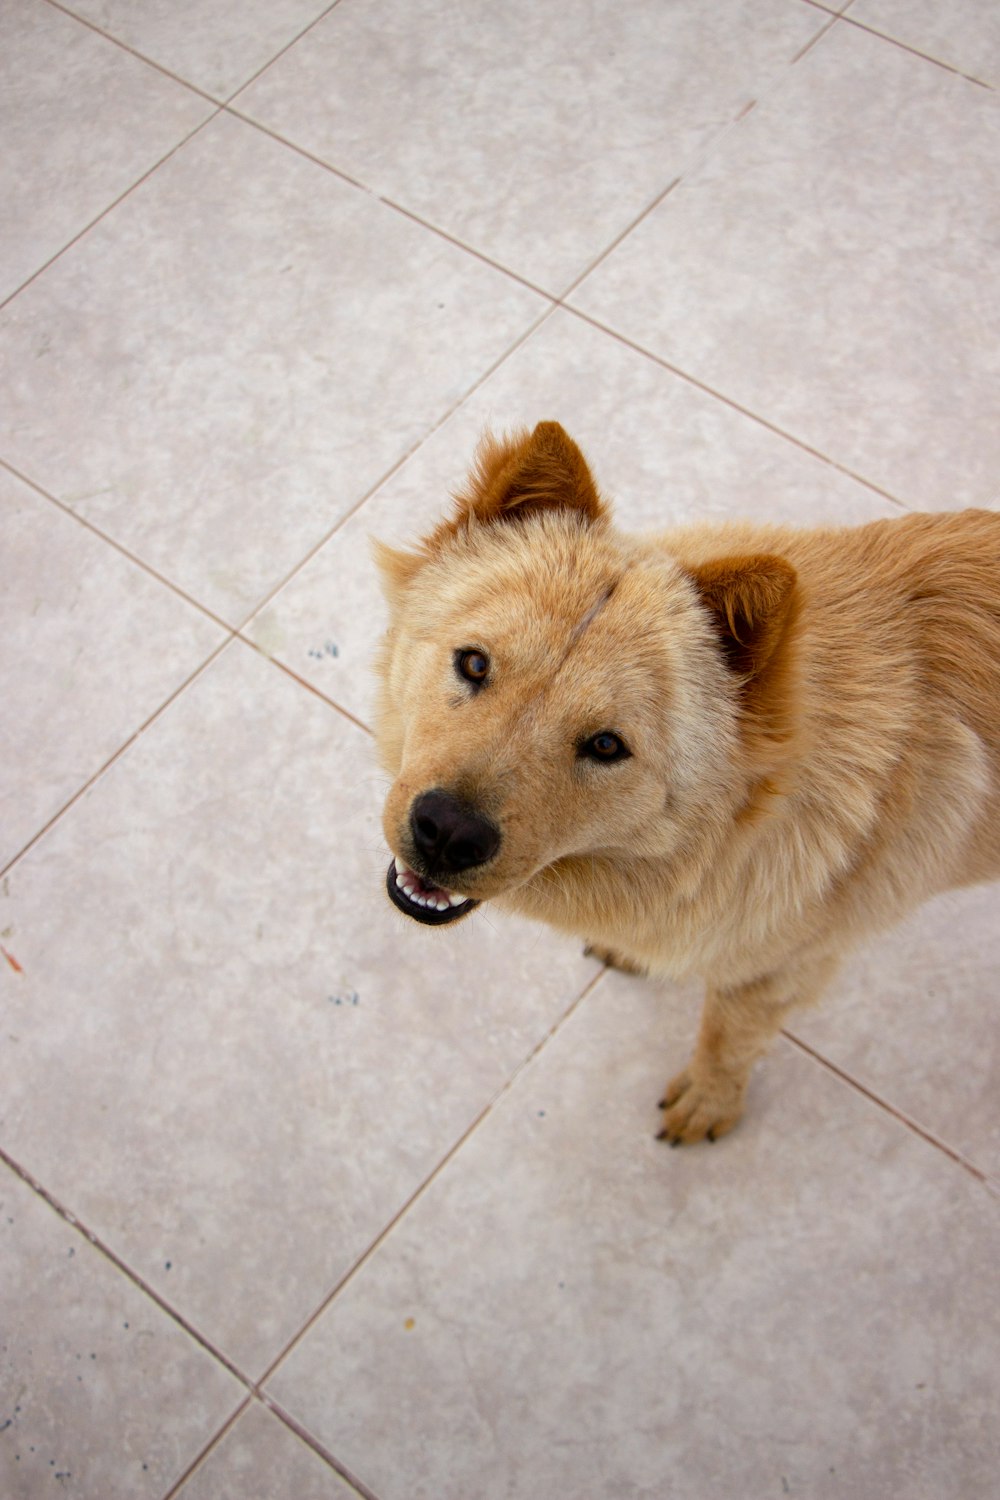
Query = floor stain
x=11 y=960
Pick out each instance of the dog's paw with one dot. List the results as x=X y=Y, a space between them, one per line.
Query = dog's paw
x=611 y=959
x=699 y=1109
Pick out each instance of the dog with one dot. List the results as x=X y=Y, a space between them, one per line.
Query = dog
x=728 y=751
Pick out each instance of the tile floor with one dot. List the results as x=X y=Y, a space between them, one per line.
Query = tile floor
x=297 y=1199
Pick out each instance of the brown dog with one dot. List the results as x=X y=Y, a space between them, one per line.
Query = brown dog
x=725 y=751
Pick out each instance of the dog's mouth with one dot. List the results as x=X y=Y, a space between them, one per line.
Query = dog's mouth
x=420 y=899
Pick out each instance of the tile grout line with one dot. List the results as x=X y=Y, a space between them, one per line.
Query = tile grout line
x=695 y=166
x=131 y=51
x=744 y=411
x=936 y=62
x=251 y=1388
x=841 y=14
x=286 y=48
x=829 y=9
x=882 y=1103
x=558 y=300
x=305 y=1436
x=304 y=682
x=394 y=469
x=219 y=106
x=629 y=228
x=122 y=749
x=124 y=1268
x=119 y=547
x=254 y=1388
x=255 y=1397
x=708 y=149
x=221 y=100
x=451 y=239
x=390 y=203
x=280 y=140
x=824 y=31
x=419 y=1192
x=209 y=1447
x=110 y=207
x=469 y=249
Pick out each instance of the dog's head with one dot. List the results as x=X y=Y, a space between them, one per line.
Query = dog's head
x=552 y=690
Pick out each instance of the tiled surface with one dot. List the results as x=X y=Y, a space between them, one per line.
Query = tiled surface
x=55 y=72
x=221 y=1052
x=260 y=302
x=260 y=1456
x=101 y=1393
x=833 y=269
x=965 y=36
x=568 y=1282
x=534 y=133
x=911 y=1020
x=268 y=1091
x=75 y=685
x=215 y=45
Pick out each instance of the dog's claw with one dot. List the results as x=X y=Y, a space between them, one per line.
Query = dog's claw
x=699 y=1110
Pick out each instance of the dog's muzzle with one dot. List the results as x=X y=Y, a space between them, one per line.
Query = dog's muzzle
x=447 y=837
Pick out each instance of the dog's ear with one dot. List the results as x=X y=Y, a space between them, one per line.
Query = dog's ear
x=395 y=567
x=751 y=599
x=517 y=475
x=524 y=473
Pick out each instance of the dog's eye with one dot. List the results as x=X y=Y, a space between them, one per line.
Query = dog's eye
x=473 y=665
x=604 y=747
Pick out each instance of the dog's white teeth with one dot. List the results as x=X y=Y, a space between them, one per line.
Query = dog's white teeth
x=413 y=889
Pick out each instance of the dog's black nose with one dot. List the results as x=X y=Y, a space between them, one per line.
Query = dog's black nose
x=449 y=835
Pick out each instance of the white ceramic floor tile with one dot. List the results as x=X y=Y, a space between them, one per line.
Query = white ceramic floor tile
x=807 y=1308
x=535 y=131
x=664 y=452
x=235 y=1059
x=90 y=646
x=101 y=1393
x=80 y=121
x=913 y=1016
x=226 y=363
x=833 y=267
x=214 y=44
x=965 y=35
x=260 y=1459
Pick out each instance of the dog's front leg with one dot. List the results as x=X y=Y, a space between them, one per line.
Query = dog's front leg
x=738 y=1024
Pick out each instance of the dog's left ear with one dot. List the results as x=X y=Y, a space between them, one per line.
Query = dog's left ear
x=751 y=600
x=524 y=473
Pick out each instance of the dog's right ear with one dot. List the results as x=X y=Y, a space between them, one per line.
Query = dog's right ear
x=522 y=474
x=396 y=568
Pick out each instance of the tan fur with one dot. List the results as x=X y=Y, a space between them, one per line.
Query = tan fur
x=813 y=716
